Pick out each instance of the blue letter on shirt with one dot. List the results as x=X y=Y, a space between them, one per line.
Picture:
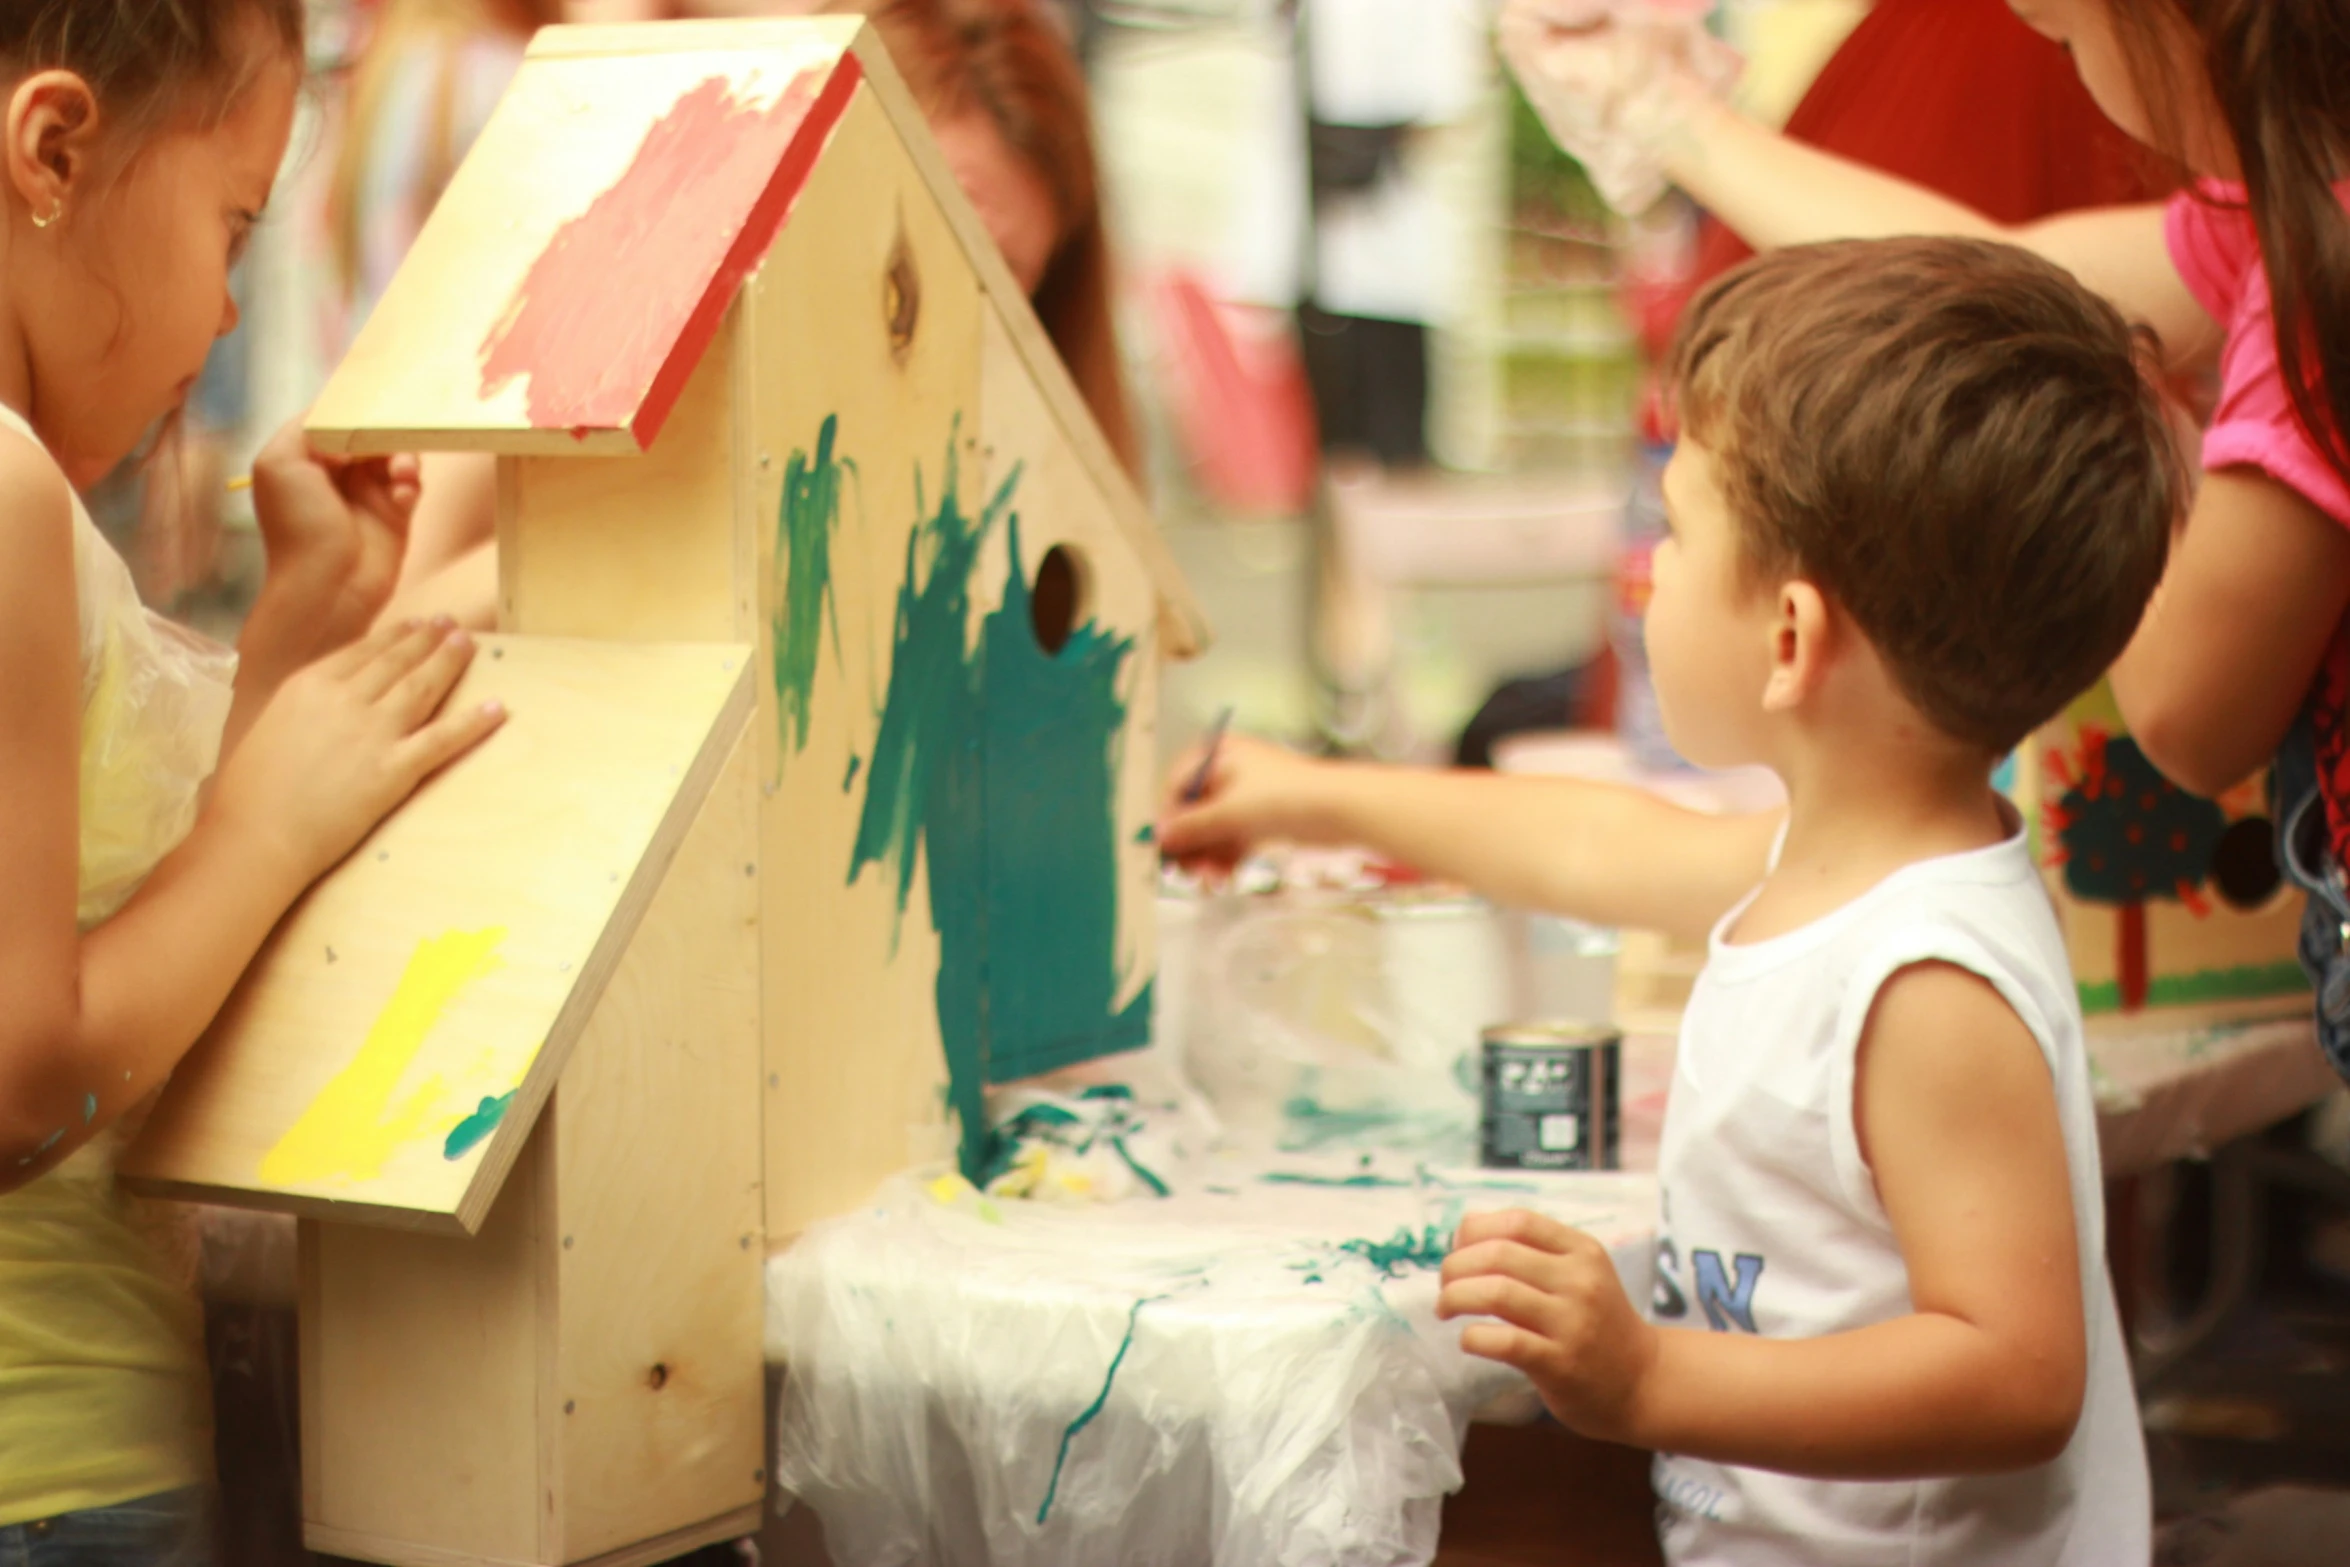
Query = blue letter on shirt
x=1725 y=1306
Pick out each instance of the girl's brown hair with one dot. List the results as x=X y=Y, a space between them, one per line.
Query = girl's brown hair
x=1006 y=58
x=149 y=59
x=2278 y=72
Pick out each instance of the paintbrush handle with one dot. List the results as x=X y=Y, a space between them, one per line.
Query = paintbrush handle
x=1196 y=789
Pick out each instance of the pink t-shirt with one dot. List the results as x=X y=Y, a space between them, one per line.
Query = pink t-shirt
x=2217 y=252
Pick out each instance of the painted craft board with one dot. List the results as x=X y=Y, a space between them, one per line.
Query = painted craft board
x=385 y=1056
x=2168 y=900
x=584 y=259
x=959 y=730
x=613 y=169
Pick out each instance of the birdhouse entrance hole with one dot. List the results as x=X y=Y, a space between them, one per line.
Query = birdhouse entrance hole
x=1056 y=604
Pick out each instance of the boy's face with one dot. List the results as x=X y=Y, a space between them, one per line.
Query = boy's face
x=1708 y=627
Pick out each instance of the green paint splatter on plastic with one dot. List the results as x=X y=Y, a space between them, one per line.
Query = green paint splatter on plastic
x=1408 y=1249
x=1307 y=1124
x=1352 y=1182
x=856 y=765
x=803 y=538
x=1142 y=1172
x=468 y=1134
x=2251 y=982
x=998 y=763
x=1100 y=1399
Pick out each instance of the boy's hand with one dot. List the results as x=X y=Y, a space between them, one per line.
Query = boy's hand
x=336 y=529
x=348 y=738
x=1254 y=793
x=1564 y=1318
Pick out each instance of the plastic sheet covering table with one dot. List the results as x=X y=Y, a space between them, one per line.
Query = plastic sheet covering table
x=1247 y=1372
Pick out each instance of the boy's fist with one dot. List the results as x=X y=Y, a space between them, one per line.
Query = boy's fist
x=1563 y=1317
x=1251 y=794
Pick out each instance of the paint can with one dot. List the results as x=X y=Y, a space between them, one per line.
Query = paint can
x=1552 y=1096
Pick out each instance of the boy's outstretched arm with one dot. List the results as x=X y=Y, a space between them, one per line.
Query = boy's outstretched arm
x=1599 y=852
x=1958 y=1121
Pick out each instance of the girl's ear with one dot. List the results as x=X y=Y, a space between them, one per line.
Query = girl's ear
x=52 y=142
x=1801 y=633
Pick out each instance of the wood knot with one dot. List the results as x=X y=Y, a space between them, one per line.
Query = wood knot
x=901 y=299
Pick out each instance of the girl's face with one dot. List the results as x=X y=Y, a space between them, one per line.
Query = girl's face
x=1011 y=198
x=2091 y=34
x=121 y=298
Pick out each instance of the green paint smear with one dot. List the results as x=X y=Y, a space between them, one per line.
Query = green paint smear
x=1406 y=1250
x=468 y=1134
x=1091 y=1410
x=810 y=517
x=2251 y=982
x=1356 y=1182
x=999 y=762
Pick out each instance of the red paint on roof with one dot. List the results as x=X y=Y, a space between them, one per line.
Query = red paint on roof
x=619 y=308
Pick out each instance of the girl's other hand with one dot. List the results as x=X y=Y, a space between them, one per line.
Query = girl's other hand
x=335 y=528
x=347 y=739
x=1254 y=793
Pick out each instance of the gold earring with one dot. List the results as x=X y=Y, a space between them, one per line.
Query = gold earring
x=55 y=212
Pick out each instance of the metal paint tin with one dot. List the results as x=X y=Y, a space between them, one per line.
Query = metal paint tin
x=1552 y=1096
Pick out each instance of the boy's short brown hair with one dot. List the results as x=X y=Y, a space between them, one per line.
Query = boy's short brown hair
x=1954 y=441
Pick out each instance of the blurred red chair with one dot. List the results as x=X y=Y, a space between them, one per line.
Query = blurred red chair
x=1237 y=390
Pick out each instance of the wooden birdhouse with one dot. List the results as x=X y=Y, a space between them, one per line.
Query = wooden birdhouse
x=2169 y=901
x=830 y=632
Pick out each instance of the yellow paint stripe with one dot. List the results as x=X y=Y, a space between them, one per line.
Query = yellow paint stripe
x=353 y=1127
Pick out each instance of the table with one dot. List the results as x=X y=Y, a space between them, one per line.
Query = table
x=1366 y=1445
x=1248 y=1371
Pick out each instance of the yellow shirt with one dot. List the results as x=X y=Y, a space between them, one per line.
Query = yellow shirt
x=104 y=1396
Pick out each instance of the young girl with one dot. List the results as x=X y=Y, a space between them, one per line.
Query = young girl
x=2242 y=655
x=140 y=147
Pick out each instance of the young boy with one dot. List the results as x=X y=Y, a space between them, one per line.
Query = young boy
x=1921 y=498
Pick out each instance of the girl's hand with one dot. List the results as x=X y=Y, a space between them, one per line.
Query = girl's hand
x=1562 y=1318
x=336 y=529
x=1253 y=793
x=348 y=738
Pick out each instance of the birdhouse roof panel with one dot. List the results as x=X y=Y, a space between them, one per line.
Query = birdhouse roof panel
x=585 y=254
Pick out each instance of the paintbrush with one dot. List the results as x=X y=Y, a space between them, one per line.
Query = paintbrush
x=1195 y=789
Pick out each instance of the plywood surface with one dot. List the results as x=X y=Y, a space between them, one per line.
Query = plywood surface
x=388 y=1051
x=420 y=1380
x=860 y=436
x=1184 y=629
x=576 y=267
x=1072 y=776
x=640 y=548
x=658 y=1379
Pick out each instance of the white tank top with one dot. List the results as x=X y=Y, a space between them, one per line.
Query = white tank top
x=1771 y=1225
